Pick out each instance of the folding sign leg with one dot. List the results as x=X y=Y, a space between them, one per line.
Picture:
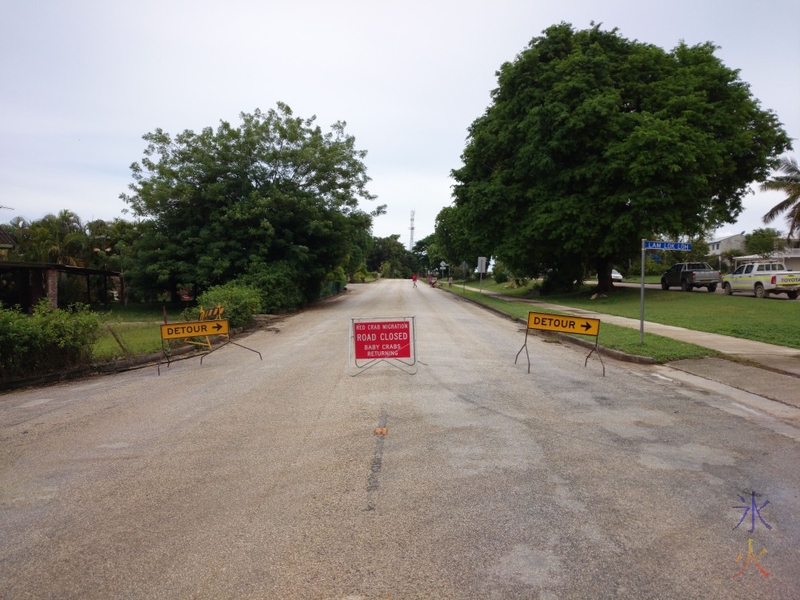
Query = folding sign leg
x=524 y=347
x=596 y=349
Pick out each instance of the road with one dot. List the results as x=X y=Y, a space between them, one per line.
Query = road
x=244 y=478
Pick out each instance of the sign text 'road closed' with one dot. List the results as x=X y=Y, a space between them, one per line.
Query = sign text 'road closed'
x=563 y=323
x=382 y=339
x=175 y=331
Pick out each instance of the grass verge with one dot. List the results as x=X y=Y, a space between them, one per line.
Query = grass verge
x=769 y=320
x=133 y=330
x=625 y=340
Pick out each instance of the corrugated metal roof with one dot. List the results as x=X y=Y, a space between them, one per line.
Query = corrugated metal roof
x=6 y=241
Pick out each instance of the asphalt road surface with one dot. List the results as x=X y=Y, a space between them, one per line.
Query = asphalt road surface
x=290 y=478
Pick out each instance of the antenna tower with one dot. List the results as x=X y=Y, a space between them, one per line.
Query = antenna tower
x=411 y=237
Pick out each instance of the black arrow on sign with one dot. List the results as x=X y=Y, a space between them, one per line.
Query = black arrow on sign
x=586 y=326
x=217 y=326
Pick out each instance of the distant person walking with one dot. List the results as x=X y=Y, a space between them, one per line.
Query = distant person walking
x=414 y=279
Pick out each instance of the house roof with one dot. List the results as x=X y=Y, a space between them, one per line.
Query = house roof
x=718 y=240
x=6 y=241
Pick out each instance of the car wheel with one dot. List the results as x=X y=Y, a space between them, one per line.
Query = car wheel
x=760 y=293
x=686 y=286
x=664 y=284
x=727 y=289
x=792 y=295
x=712 y=288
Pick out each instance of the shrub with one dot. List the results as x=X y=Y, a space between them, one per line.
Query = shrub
x=47 y=341
x=280 y=285
x=240 y=302
x=334 y=282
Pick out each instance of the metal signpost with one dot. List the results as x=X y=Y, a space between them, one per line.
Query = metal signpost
x=382 y=339
x=655 y=245
x=481 y=270
x=563 y=324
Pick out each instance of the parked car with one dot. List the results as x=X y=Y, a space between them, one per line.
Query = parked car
x=690 y=275
x=763 y=279
x=616 y=275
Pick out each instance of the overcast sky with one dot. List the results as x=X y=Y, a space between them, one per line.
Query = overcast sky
x=82 y=80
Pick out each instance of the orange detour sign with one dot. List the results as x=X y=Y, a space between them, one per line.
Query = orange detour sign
x=566 y=324
x=562 y=324
x=174 y=331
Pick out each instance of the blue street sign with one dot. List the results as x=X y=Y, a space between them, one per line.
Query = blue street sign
x=667 y=246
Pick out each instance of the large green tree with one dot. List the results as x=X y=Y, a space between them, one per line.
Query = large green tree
x=275 y=197
x=390 y=257
x=764 y=242
x=593 y=142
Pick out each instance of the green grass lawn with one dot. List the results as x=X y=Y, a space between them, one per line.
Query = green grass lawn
x=136 y=327
x=623 y=339
x=772 y=320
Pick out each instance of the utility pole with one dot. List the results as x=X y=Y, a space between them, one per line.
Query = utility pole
x=411 y=237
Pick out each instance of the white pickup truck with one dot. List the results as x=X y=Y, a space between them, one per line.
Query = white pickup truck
x=763 y=279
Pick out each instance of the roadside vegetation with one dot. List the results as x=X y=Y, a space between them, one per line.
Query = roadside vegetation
x=625 y=340
x=133 y=330
x=763 y=320
x=268 y=214
x=48 y=339
x=736 y=316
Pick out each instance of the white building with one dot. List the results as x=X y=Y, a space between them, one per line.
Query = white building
x=789 y=256
x=726 y=244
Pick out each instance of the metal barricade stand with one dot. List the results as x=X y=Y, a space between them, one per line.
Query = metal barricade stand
x=373 y=340
x=563 y=324
x=198 y=330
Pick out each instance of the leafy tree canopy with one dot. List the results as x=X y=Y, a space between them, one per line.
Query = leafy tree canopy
x=764 y=242
x=787 y=182
x=390 y=257
x=230 y=202
x=593 y=142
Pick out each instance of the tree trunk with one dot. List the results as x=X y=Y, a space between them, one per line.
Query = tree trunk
x=604 y=281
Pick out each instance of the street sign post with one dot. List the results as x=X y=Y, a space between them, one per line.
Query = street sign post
x=655 y=245
x=481 y=270
x=659 y=245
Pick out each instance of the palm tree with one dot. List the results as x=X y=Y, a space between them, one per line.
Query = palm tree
x=789 y=183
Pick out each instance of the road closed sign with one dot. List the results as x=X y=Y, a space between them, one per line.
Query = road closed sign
x=382 y=339
x=563 y=323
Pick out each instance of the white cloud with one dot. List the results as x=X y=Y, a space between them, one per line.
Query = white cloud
x=84 y=80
